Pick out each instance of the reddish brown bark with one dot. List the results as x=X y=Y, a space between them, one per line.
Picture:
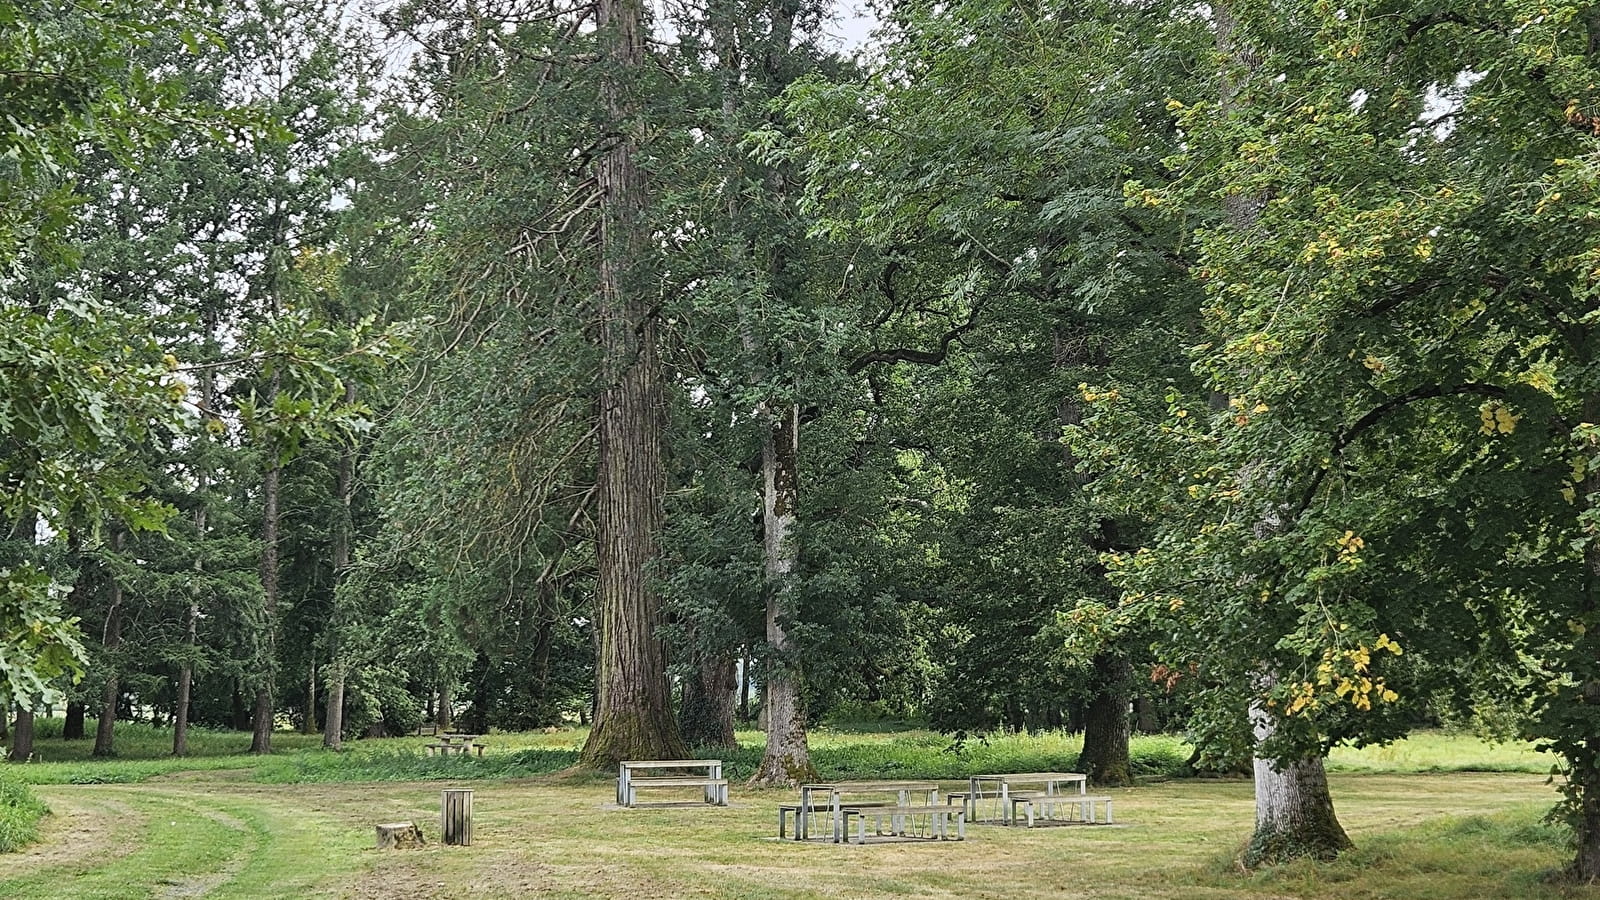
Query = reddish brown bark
x=633 y=713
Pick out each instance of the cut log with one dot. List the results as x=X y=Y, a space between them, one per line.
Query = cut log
x=399 y=836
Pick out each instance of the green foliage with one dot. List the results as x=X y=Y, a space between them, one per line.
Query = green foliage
x=37 y=645
x=20 y=812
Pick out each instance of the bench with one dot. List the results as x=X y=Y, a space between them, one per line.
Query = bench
x=717 y=787
x=785 y=810
x=938 y=820
x=445 y=749
x=1045 y=805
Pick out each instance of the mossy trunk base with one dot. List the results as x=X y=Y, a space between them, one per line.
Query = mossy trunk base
x=631 y=733
x=1294 y=815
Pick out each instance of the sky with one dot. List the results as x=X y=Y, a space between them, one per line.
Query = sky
x=853 y=25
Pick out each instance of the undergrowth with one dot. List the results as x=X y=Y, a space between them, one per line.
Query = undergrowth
x=20 y=812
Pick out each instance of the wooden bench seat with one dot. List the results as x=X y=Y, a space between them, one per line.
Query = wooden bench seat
x=938 y=816
x=677 y=781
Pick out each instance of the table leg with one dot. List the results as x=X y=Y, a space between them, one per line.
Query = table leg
x=802 y=815
x=1005 y=803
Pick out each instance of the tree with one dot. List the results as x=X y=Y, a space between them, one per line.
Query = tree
x=1368 y=361
x=983 y=163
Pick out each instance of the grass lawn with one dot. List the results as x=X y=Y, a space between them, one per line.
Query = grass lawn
x=1436 y=817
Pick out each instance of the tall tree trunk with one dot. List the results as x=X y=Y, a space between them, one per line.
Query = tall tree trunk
x=1105 y=717
x=72 y=728
x=633 y=718
x=344 y=486
x=308 y=712
x=442 y=715
x=544 y=710
x=706 y=717
x=191 y=624
x=787 y=760
x=1105 y=722
x=22 y=736
x=104 y=732
x=744 y=685
x=267 y=663
x=1294 y=810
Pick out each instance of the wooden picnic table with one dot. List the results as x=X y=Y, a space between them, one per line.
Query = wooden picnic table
x=458 y=742
x=716 y=787
x=1003 y=786
x=836 y=792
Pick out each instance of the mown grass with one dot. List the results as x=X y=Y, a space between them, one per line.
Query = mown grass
x=20 y=812
x=1428 y=837
x=289 y=827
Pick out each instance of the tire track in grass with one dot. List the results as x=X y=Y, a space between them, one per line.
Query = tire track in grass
x=300 y=852
x=170 y=850
x=77 y=829
x=200 y=840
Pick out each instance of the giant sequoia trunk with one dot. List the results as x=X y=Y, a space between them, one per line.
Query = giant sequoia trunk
x=633 y=712
x=706 y=717
x=1106 y=722
x=787 y=760
x=267 y=660
x=105 y=728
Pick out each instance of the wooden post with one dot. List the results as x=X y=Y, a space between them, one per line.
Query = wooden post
x=455 y=818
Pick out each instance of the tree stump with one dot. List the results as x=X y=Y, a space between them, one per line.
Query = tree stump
x=400 y=836
x=455 y=818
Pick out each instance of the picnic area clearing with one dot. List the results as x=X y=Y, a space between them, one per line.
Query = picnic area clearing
x=223 y=833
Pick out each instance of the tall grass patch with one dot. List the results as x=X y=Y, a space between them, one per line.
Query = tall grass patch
x=20 y=812
x=408 y=765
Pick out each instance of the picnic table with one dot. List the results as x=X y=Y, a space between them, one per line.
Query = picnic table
x=1041 y=790
x=839 y=810
x=628 y=782
x=456 y=742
